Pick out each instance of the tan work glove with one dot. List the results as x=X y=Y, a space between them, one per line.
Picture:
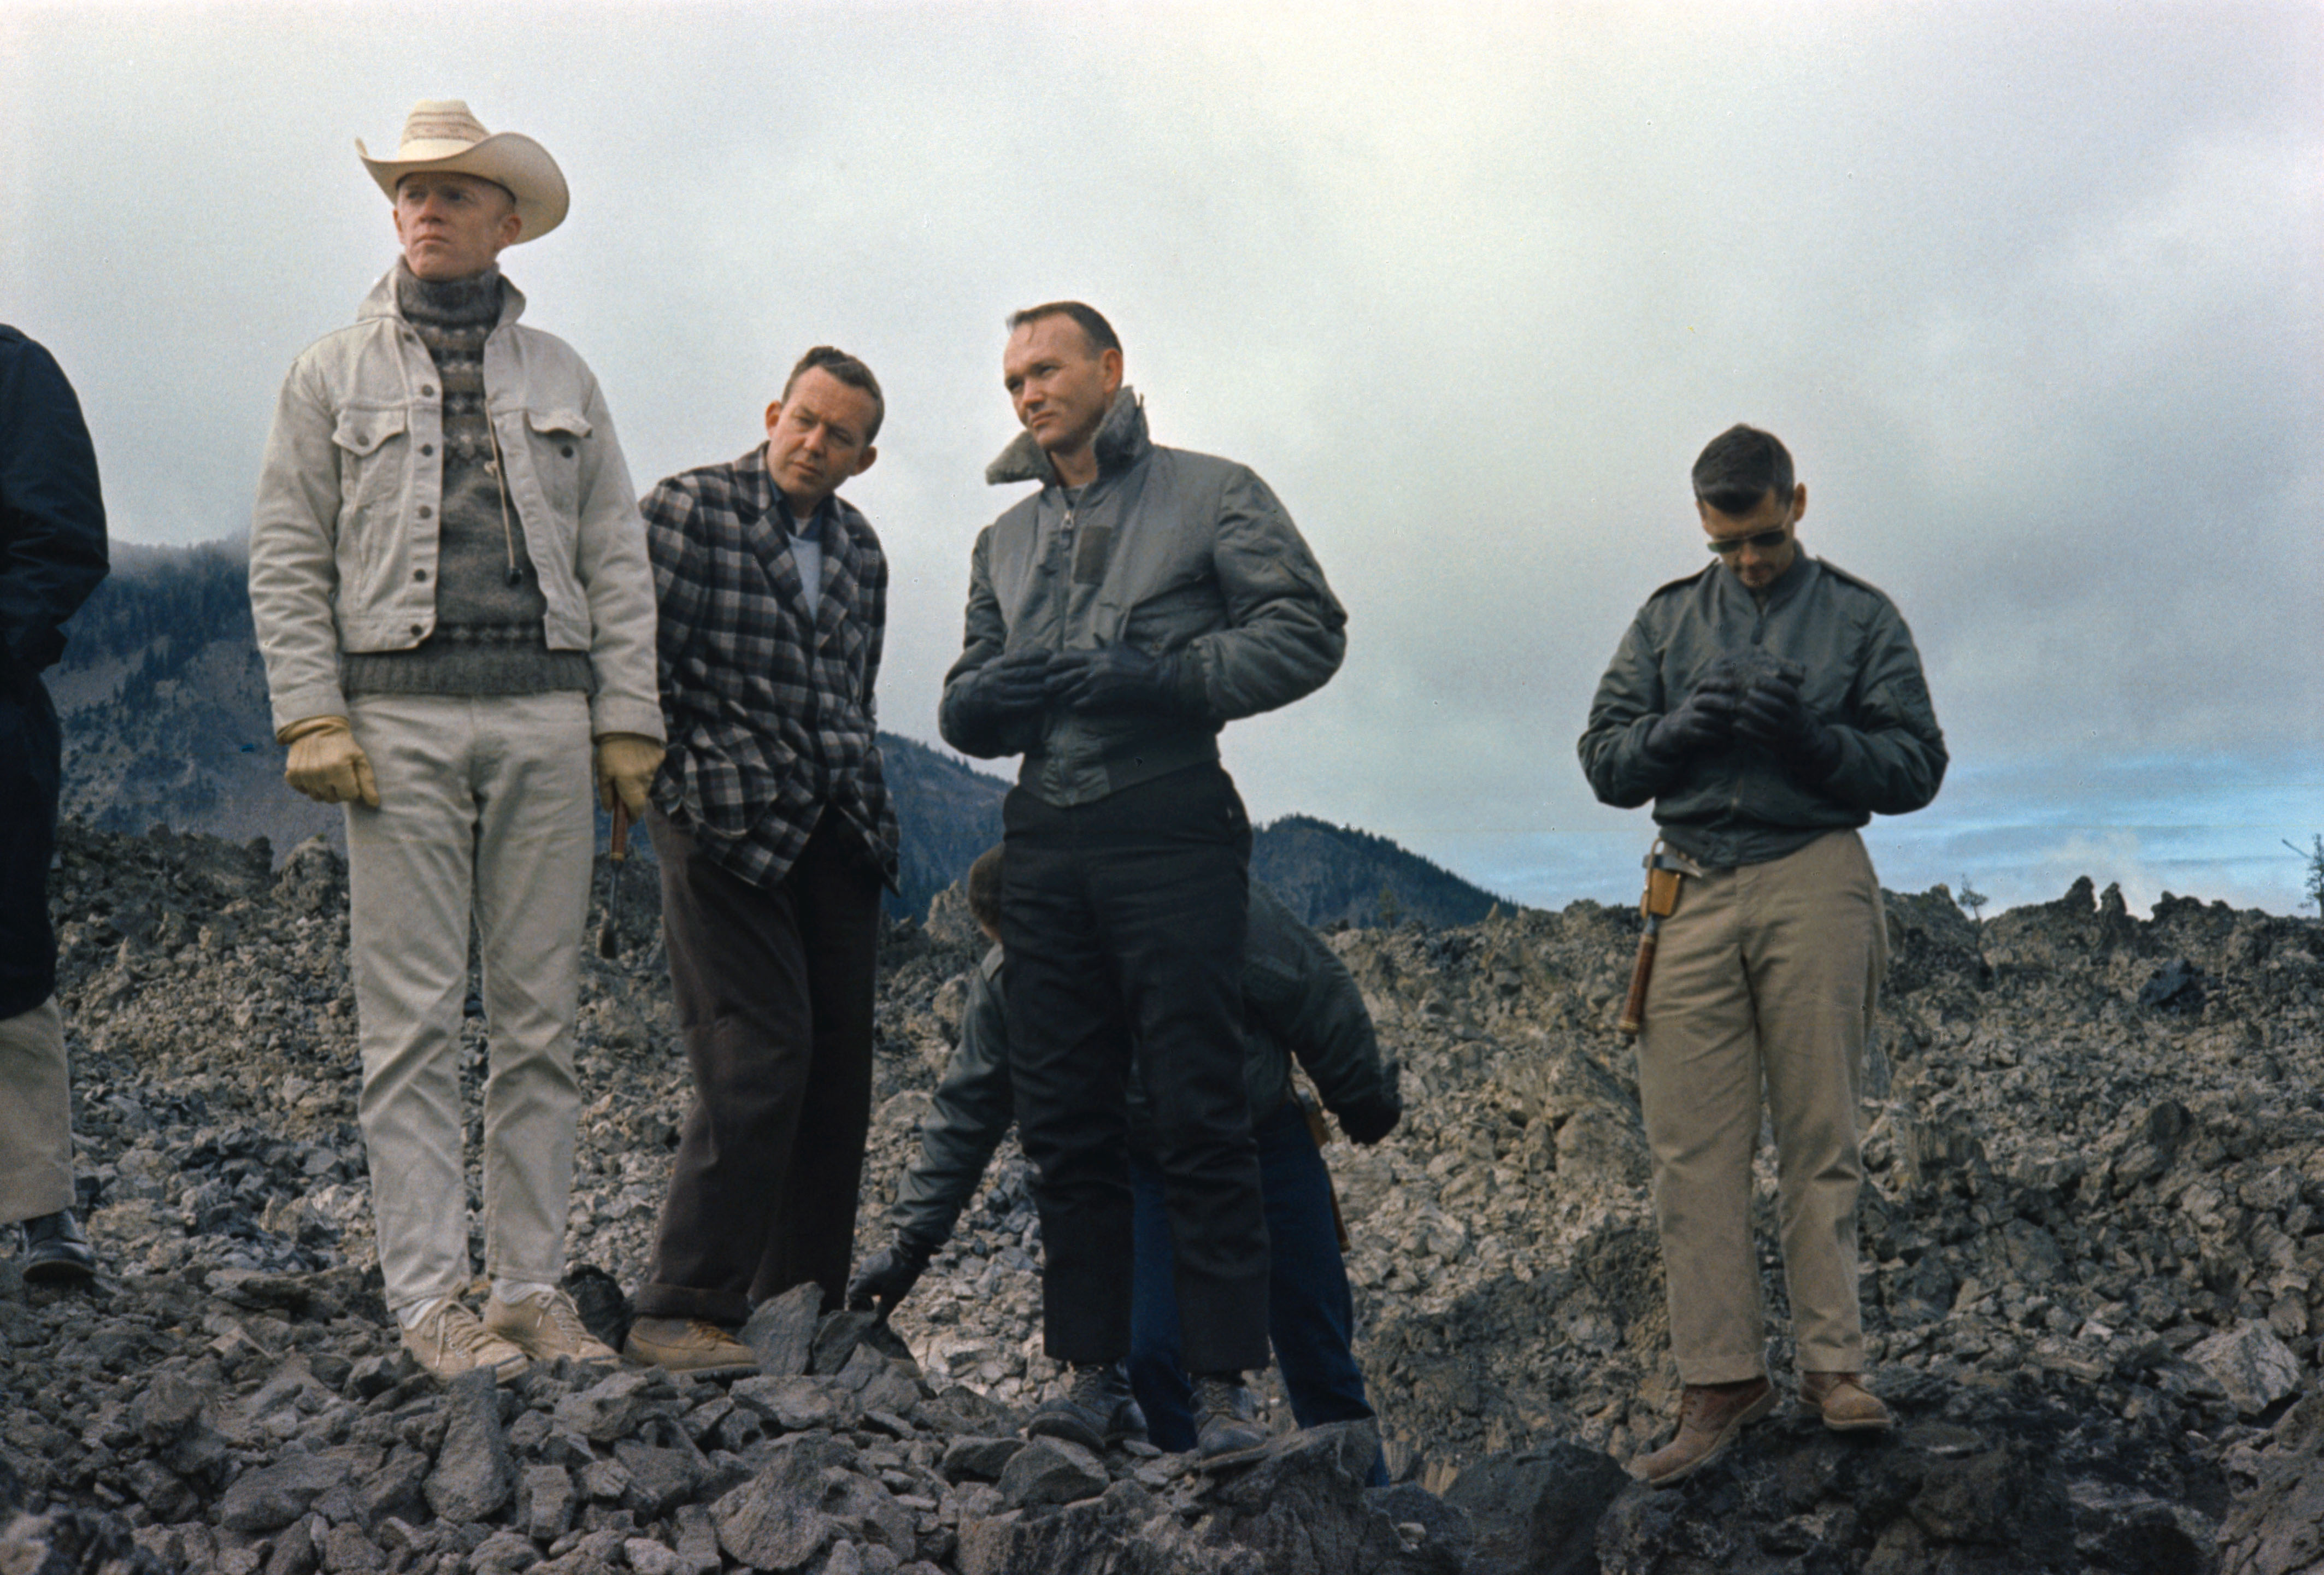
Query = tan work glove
x=327 y=764
x=626 y=764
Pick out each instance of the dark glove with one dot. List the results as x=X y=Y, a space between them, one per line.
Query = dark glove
x=889 y=1275
x=1370 y=1121
x=1122 y=678
x=1704 y=720
x=1771 y=714
x=1002 y=690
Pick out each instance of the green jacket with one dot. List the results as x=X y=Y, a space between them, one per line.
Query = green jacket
x=1739 y=806
x=1168 y=550
x=1298 y=1000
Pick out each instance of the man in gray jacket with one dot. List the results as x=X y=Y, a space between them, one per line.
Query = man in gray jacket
x=1139 y=600
x=1769 y=705
x=448 y=575
x=1299 y=1002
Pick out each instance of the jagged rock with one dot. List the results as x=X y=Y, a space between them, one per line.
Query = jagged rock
x=607 y=1410
x=2255 y=1368
x=273 y=1496
x=1052 y=1470
x=777 y=1520
x=1302 y=1510
x=797 y=1403
x=836 y=1339
x=2277 y=1527
x=546 y=1501
x=780 y=1331
x=1537 y=1513
x=978 y=1459
x=474 y=1475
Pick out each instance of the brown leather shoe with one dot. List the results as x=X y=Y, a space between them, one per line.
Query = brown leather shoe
x=1847 y=1406
x=1710 y=1415
x=688 y=1345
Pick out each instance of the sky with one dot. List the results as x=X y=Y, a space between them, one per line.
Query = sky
x=2033 y=292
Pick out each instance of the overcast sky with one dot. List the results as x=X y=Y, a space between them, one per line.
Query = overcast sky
x=2035 y=293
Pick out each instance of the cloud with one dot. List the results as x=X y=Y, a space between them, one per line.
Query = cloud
x=2033 y=293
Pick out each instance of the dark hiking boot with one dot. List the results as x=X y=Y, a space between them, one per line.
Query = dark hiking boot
x=1843 y=1400
x=1226 y=1416
x=1096 y=1409
x=1710 y=1416
x=56 y=1253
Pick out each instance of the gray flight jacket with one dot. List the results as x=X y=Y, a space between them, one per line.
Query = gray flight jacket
x=1167 y=550
x=1298 y=1000
x=1739 y=805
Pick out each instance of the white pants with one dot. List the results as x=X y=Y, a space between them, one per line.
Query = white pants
x=484 y=811
x=35 y=1115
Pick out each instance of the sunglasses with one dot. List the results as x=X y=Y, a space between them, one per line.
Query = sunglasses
x=1764 y=540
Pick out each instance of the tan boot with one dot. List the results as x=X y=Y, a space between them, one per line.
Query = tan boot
x=688 y=1345
x=1847 y=1406
x=450 y=1341
x=546 y=1327
x=1710 y=1415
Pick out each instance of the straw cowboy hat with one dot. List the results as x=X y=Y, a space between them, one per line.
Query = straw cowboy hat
x=440 y=134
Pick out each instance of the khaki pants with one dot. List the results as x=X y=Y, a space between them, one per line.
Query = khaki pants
x=484 y=813
x=1767 y=973
x=35 y=1116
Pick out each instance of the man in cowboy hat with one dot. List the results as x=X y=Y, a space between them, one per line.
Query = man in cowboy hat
x=449 y=579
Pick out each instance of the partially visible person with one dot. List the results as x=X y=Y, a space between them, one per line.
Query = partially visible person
x=1139 y=599
x=52 y=555
x=1299 y=1003
x=1770 y=704
x=776 y=833
x=450 y=581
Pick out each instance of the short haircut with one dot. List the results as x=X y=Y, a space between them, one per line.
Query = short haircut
x=984 y=888
x=1740 y=468
x=840 y=365
x=1093 y=327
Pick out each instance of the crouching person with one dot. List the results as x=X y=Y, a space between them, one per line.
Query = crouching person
x=450 y=580
x=1298 y=1002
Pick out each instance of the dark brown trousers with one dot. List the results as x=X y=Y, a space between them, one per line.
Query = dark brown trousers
x=774 y=992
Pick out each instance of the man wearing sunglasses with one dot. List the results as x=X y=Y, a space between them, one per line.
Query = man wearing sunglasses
x=1770 y=704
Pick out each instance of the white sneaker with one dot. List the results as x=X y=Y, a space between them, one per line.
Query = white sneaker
x=546 y=1326
x=449 y=1341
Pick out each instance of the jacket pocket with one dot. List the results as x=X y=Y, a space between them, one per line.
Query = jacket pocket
x=557 y=434
x=371 y=462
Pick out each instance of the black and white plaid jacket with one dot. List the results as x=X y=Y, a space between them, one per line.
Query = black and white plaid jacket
x=769 y=715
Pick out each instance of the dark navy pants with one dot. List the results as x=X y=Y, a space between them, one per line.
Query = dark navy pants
x=29 y=755
x=1311 y=1315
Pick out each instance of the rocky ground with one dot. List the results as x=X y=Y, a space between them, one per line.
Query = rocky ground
x=2094 y=1254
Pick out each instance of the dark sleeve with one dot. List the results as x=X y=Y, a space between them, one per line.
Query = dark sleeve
x=1286 y=632
x=971 y=1115
x=1629 y=701
x=1300 y=991
x=984 y=638
x=1892 y=756
x=52 y=548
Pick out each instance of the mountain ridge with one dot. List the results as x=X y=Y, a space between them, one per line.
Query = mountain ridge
x=164 y=703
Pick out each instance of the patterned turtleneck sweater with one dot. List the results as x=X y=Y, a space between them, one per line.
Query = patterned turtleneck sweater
x=488 y=638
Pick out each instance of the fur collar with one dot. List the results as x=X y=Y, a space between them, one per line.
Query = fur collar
x=1122 y=441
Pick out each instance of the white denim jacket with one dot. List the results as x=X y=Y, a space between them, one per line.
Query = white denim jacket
x=343 y=542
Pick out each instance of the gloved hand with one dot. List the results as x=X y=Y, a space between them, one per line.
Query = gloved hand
x=1123 y=678
x=1704 y=720
x=626 y=765
x=1005 y=689
x=326 y=762
x=1771 y=714
x=889 y=1275
x=1368 y=1122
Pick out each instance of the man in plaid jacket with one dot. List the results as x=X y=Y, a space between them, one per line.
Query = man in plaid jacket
x=774 y=832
